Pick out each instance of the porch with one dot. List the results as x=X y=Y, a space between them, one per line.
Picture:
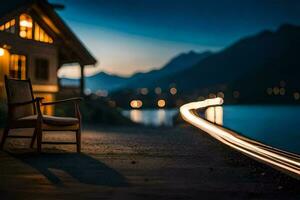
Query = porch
x=138 y=163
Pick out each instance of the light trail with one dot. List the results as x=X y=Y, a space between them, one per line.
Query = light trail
x=284 y=161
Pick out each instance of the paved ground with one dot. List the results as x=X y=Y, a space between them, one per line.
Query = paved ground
x=138 y=163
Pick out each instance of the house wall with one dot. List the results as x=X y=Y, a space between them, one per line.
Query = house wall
x=32 y=50
x=4 y=62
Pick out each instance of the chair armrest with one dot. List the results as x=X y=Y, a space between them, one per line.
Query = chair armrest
x=25 y=102
x=75 y=100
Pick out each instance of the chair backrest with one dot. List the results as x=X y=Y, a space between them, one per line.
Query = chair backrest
x=19 y=91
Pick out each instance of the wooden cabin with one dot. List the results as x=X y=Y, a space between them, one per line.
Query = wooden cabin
x=34 y=43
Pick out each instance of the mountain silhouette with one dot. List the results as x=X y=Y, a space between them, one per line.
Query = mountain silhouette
x=104 y=81
x=250 y=65
x=99 y=81
x=177 y=64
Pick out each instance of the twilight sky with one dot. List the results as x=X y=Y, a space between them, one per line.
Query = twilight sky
x=127 y=36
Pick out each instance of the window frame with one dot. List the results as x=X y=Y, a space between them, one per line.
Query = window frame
x=11 y=23
x=37 y=67
x=42 y=34
x=23 y=75
x=27 y=26
x=28 y=30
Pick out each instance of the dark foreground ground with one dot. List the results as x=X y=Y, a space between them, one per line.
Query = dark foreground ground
x=138 y=163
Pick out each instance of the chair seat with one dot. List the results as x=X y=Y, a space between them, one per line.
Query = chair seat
x=51 y=120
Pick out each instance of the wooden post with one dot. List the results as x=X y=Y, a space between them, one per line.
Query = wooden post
x=82 y=85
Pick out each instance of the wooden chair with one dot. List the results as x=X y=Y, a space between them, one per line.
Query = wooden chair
x=24 y=111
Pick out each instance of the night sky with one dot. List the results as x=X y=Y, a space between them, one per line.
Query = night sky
x=137 y=35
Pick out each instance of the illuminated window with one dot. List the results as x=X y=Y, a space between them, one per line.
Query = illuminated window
x=296 y=95
x=42 y=69
x=41 y=35
x=17 y=66
x=25 y=26
x=276 y=90
x=26 y=30
x=9 y=26
x=282 y=91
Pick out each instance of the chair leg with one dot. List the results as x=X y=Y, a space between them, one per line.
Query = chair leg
x=39 y=134
x=33 y=138
x=78 y=140
x=4 y=136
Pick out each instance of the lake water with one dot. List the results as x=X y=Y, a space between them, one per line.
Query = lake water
x=153 y=117
x=277 y=126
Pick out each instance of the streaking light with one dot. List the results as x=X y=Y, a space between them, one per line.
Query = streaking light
x=281 y=160
x=214 y=114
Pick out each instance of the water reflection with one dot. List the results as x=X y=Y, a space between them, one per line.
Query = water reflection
x=155 y=117
x=214 y=114
x=135 y=115
x=161 y=117
x=276 y=126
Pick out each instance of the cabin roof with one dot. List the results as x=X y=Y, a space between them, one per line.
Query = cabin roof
x=74 y=49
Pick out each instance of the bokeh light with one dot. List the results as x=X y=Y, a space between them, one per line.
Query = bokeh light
x=161 y=103
x=136 y=104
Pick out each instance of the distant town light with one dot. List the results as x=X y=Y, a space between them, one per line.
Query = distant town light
x=269 y=91
x=201 y=98
x=282 y=91
x=212 y=95
x=276 y=90
x=221 y=95
x=282 y=83
x=112 y=103
x=236 y=94
x=173 y=91
x=157 y=90
x=296 y=95
x=136 y=104
x=102 y=93
x=223 y=87
x=161 y=103
x=87 y=91
x=144 y=91
x=1 y=52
